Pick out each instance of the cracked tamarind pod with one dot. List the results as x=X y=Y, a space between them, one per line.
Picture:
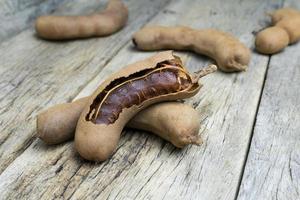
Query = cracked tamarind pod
x=104 y=23
x=159 y=78
x=175 y=122
x=228 y=52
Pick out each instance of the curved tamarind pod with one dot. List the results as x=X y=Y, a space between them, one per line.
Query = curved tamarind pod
x=229 y=53
x=158 y=78
x=173 y=121
x=108 y=21
x=285 y=31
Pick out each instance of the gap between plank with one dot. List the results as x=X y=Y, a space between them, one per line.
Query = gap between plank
x=254 y=123
x=252 y=130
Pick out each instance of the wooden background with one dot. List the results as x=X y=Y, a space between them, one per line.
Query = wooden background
x=250 y=120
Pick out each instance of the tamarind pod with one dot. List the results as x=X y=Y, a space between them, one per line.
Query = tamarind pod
x=104 y=23
x=228 y=52
x=173 y=121
x=271 y=40
x=158 y=78
x=58 y=123
x=285 y=31
x=292 y=27
x=283 y=13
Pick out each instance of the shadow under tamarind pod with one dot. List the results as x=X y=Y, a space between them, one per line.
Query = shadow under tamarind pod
x=228 y=52
x=159 y=78
x=175 y=122
x=285 y=31
x=104 y=23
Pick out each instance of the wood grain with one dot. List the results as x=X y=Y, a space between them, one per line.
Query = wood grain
x=36 y=73
x=144 y=166
x=273 y=166
x=17 y=15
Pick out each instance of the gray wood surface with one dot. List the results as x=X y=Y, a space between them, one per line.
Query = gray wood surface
x=273 y=166
x=36 y=74
x=17 y=15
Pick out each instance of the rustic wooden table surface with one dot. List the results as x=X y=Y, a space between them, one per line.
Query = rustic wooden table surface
x=250 y=120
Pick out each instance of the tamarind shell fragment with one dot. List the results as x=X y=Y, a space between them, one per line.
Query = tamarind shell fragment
x=158 y=78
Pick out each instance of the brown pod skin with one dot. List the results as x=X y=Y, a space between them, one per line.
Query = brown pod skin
x=173 y=121
x=292 y=27
x=104 y=23
x=283 y=13
x=58 y=123
x=156 y=79
x=271 y=40
x=229 y=53
x=285 y=31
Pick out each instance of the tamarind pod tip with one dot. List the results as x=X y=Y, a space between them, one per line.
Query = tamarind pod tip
x=237 y=68
x=243 y=68
x=198 y=141
x=40 y=127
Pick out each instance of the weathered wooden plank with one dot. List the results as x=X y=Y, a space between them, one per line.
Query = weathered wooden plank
x=35 y=73
x=145 y=167
x=17 y=15
x=273 y=166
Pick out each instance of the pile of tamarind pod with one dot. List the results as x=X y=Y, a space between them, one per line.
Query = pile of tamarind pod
x=133 y=97
x=58 y=123
x=228 y=52
x=104 y=23
x=285 y=31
